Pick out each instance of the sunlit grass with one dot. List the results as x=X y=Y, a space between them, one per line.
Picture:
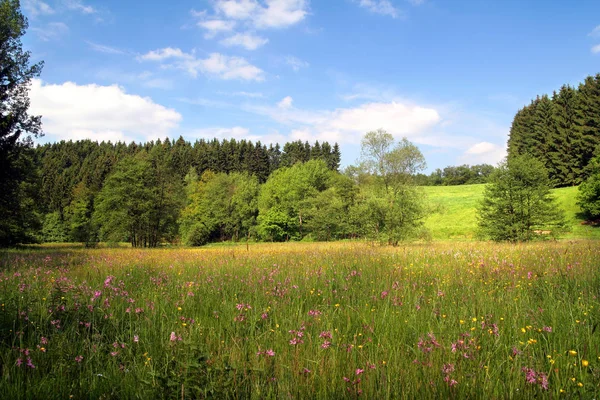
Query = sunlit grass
x=454 y=215
x=324 y=320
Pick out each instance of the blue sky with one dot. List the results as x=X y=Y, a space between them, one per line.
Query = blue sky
x=448 y=75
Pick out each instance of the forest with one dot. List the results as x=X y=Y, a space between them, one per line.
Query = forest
x=562 y=131
x=175 y=192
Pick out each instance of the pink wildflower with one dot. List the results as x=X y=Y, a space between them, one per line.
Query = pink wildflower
x=325 y=335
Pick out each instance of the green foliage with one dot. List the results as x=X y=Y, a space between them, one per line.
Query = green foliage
x=517 y=204
x=219 y=207
x=17 y=216
x=396 y=208
x=53 y=229
x=82 y=227
x=139 y=202
x=589 y=192
x=563 y=132
x=286 y=199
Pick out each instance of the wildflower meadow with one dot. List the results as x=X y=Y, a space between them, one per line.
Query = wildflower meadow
x=325 y=320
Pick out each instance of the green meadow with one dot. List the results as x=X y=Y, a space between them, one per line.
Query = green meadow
x=454 y=215
x=302 y=320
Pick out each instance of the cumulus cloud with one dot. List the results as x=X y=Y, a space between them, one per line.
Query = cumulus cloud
x=237 y=9
x=280 y=13
x=249 y=15
x=596 y=49
x=72 y=111
x=595 y=32
x=350 y=124
x=218 y=65
x=484 y=153
x=215 y=26
x=245 y=40
x=383 y=7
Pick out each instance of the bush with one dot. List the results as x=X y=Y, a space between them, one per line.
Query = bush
x=589 y=192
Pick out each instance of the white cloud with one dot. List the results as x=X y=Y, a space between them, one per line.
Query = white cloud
x=596 y=49
x=51 y=31
x=296 y=63
x=37 y=7
x=105 y=49
x=281 y=13
x=227 y=68
x=251 y=14
x=246 y=40
x=416 y=2
x=350 y=124
x=77 y=5
x=254 y=95
x=72 y=111
x=444 y=128
x=164 y=54
x=595 y=32
x=219 y=65
x=398 y=119
x=237 y=9
x=286 y=102
x=215 y=26
x=383 y=7
x=483 y=153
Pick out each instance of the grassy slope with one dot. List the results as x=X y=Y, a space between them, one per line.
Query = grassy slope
x=455 y=216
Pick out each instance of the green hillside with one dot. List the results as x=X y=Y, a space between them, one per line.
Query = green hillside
x=454 y=216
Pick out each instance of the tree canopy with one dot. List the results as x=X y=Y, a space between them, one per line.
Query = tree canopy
x=16 y=125
x=562 y=131
x=517 y=204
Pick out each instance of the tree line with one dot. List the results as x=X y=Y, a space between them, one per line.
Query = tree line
x=69 y=170
x=457 y=175
x=94 y=192
x=562 y=131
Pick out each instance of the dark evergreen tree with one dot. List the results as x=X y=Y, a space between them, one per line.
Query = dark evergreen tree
x=588 y=118
x=564 y=153
x=15 y=125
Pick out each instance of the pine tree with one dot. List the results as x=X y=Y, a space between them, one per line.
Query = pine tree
x=566 y=135
x=588 y=118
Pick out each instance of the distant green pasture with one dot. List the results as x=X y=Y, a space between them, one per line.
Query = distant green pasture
x=455 y=209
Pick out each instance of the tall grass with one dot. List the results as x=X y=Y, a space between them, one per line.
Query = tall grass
x=342 y=320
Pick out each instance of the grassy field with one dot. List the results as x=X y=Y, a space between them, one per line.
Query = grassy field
x=296 y=320
x=455 y=212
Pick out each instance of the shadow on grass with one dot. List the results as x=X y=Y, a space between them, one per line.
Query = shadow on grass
x=594 y=223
